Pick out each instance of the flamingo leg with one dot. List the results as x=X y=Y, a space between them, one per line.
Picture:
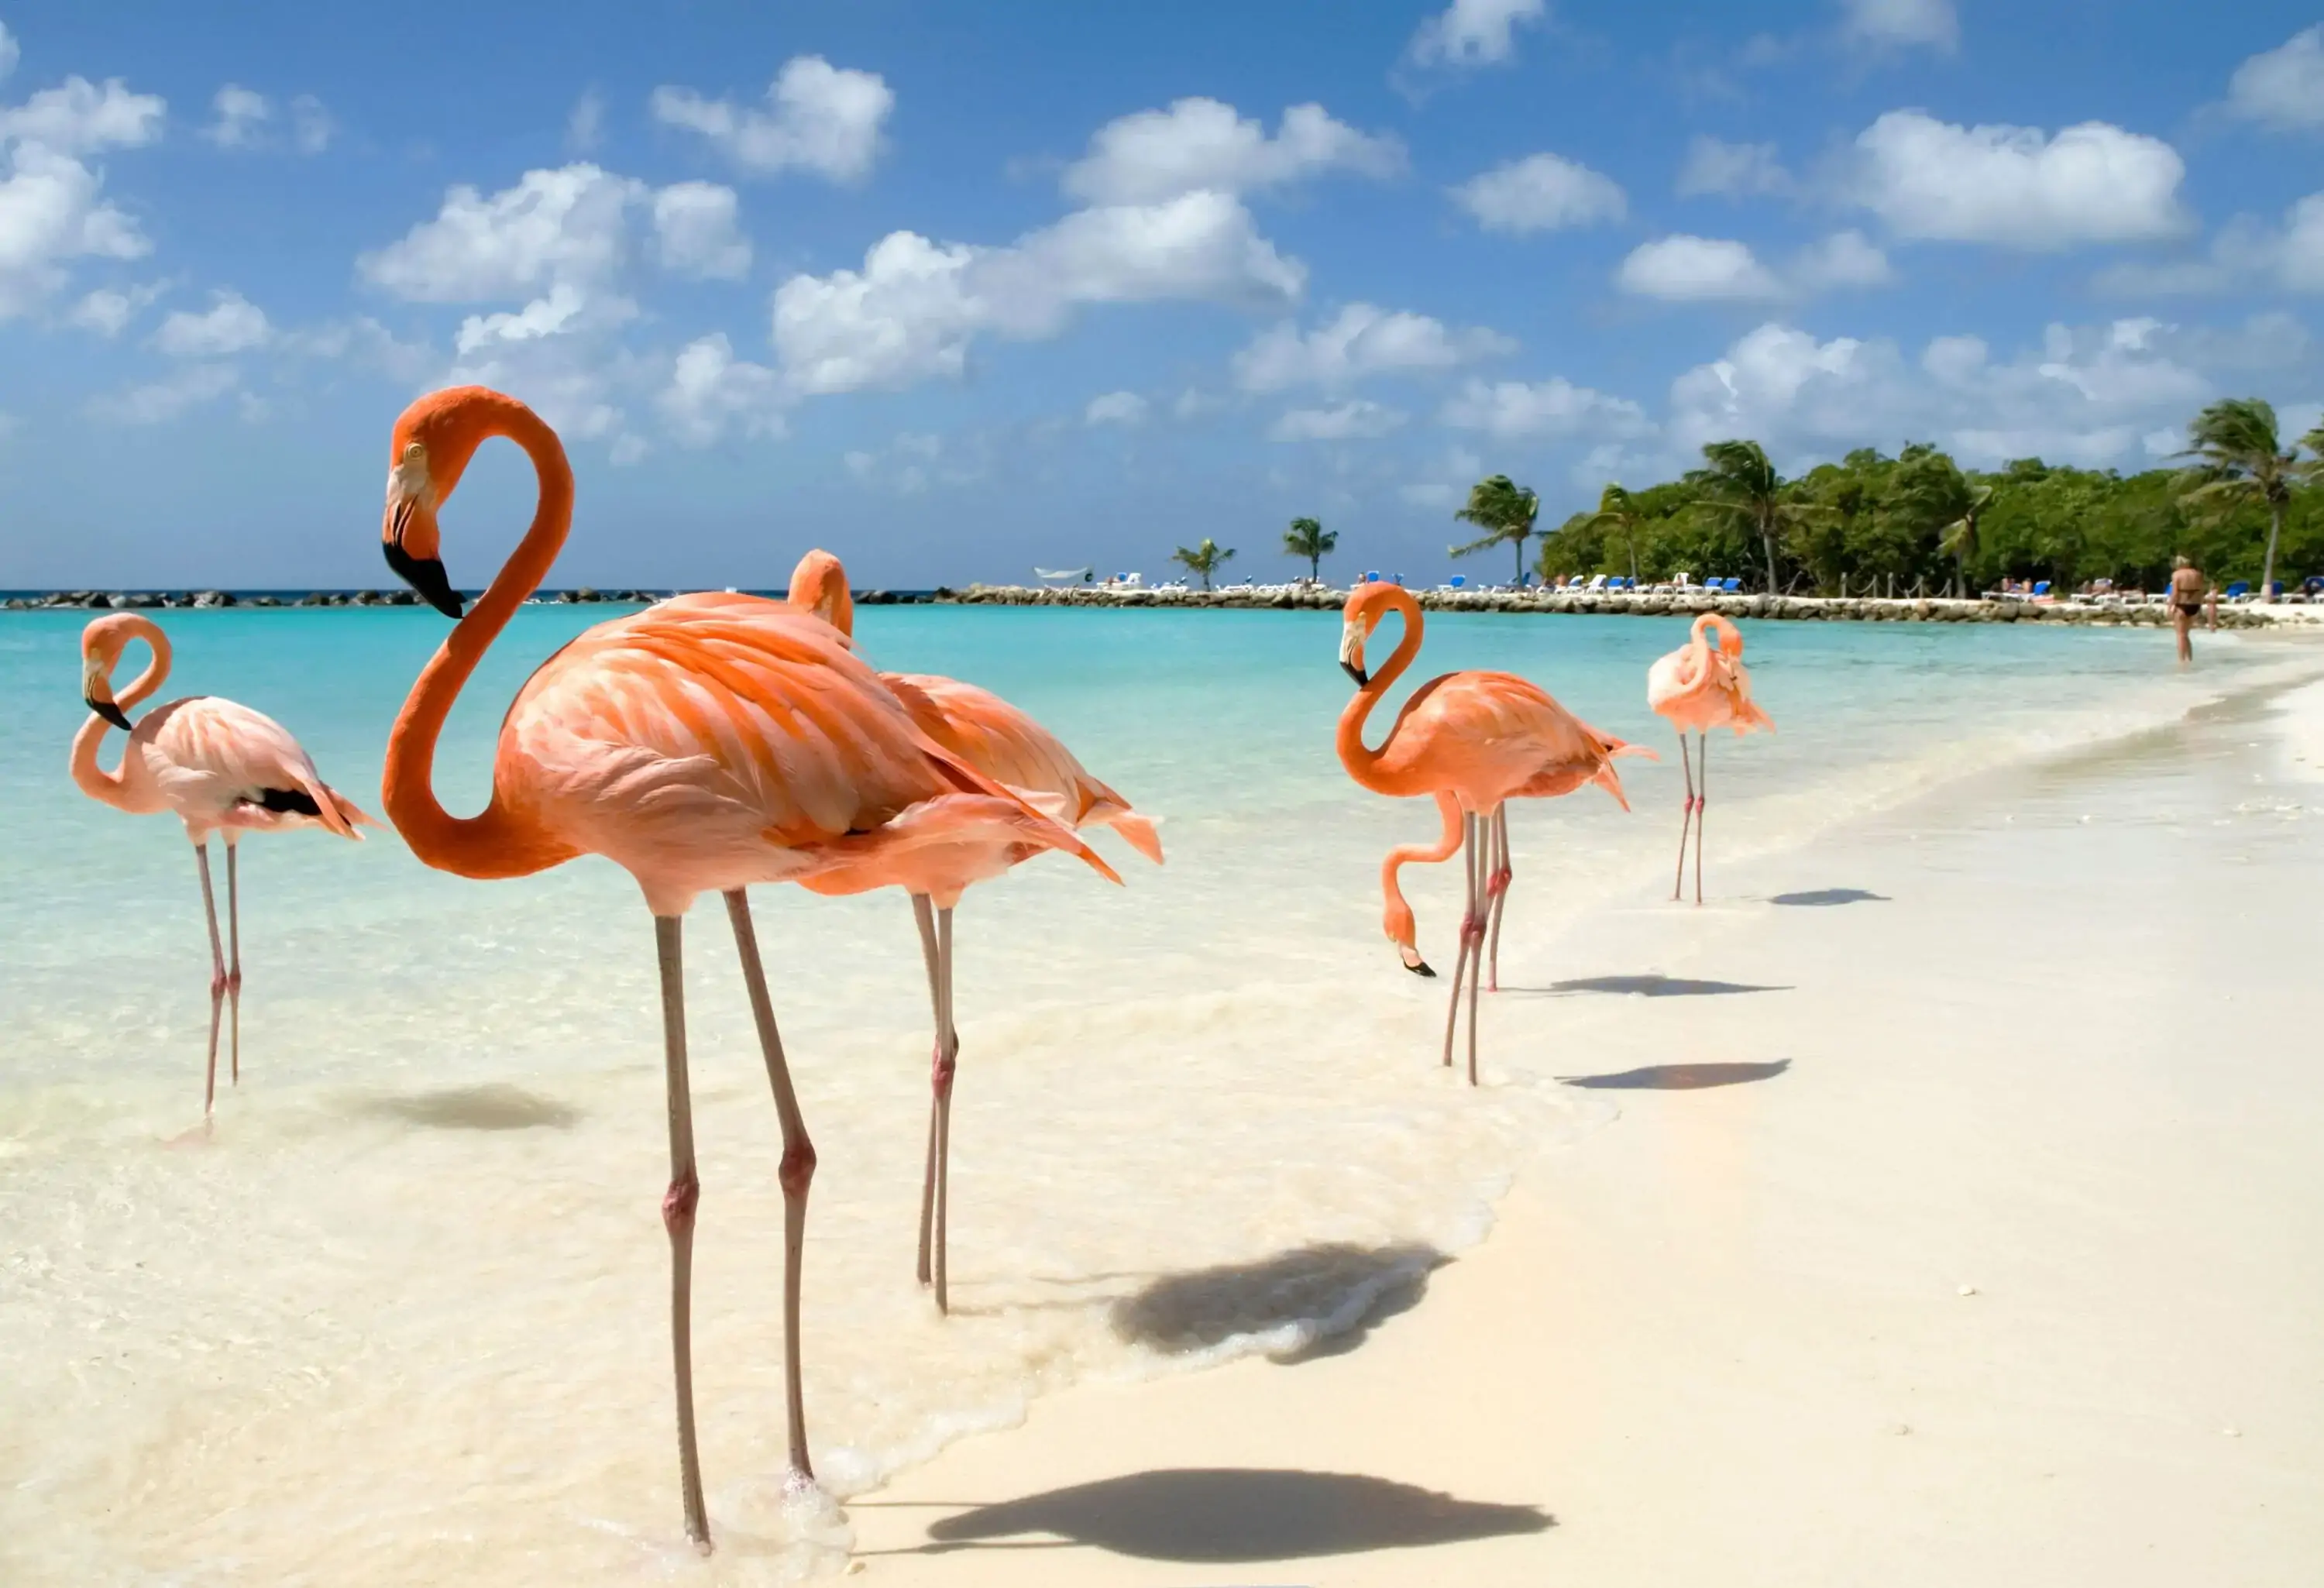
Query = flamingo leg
x=1497 y=889
x=924 y=917
x=1687 y=766
x=1474 y=927
x=948 y=1057
x=678 y=1205
x=217 y=975
x=234 y=960
x=1701 y=801
x=796 y=1173
x=1468 y=928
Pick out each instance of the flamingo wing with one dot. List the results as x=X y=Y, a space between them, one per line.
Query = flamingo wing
x=220 y=763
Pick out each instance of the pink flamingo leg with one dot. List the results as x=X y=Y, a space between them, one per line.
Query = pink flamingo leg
x=1474 y=929
x=1701 y=804
x=946 y=1064
x=796 y=1173
x=924 y=917
x=678 y=1205
x=1679 y=887
x=217 y=976
x=1461 y=955
x=234 y=960
x=1497 y=889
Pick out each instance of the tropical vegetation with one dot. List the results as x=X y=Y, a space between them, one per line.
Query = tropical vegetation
x=1309 y=539
x=1204 y=559
x=1506 y=512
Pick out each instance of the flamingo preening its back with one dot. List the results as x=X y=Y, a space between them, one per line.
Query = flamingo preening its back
x=1700 y=686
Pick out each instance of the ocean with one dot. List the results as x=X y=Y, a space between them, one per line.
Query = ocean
x=400 y=1314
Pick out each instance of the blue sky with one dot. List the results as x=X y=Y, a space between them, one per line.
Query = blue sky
x=955 y=289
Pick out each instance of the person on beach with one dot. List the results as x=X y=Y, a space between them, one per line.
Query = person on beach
x=2190 y=594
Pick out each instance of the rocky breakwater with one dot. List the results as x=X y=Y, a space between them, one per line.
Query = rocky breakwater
x=1667 y=604
x=119 y=600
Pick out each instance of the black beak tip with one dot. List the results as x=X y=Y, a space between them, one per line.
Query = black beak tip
x=110 y=712
x=1357 y=673
x=1422 y=969
x=426 y=578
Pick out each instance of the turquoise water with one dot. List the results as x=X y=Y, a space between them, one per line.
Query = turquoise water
x=403 y=1304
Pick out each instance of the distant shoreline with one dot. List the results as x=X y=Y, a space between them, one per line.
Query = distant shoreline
x=2070 y=614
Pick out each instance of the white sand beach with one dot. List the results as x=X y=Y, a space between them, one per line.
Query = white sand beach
x=1960 y=1225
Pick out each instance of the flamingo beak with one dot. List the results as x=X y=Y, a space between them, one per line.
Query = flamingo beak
x=97 y=694
x=109 y=711
x=426 y=578
x=1351 y=652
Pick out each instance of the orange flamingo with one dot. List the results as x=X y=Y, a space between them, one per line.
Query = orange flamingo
x=1396 y=917
x=221 y=767
x=1702 y=685
x=1011 y=749
x=703 y=744
x=1483 y=738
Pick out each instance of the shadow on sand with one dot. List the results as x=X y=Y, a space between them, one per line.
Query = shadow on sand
x=497 y=1106
x=1831 y=895
x=1648 y=986
x=1324 y=1300
x=1208 y=1515
x=1680 y=1078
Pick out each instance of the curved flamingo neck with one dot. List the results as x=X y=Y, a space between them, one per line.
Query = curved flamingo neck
x=91 y=778
x=500 y=841
x=1362 y=762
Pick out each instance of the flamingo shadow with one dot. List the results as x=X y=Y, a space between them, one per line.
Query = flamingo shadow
x=1216 y=1515
x=1314 y=1301
x=1680 y=1078
x=495 y=1106
x=1822 y=895
x=1648 y=986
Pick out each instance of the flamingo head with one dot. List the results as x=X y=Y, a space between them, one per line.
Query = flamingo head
x=101 y=644
x=429 y=450
x=1367 y=604
x=819 y=585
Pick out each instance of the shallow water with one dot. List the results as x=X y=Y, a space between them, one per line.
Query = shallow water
x=401 y=1315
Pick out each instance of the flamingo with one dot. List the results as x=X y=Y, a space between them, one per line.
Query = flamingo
x=703 y=744
x=220 y=766
x=1482 y=738
x=1396 y=917
x=1702 y=685
x=1011 y=749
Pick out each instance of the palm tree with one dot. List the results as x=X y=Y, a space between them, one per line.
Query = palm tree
x=1618 y=512
x=2240 y=461
x=1931 y=488
x=1505 y=510
x=1308 y=539
x=1740 y=486
x=1203 y=559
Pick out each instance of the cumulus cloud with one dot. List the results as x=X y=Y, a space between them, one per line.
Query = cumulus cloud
x=2284 y=88
x=240 y=117
x=232 y=324
x=1473 y=33
x=1354 y=421
x=1888 y=25
x=819 y=118
x=51 y=213
x=710 y=391
x=1361 y=341
x=80 y=117
x=2014 y=186
x=1156 y=155
x=1125 y=408
x=910 y=313
x=1736 y=171
x=570 y=224
x=158 y=401
x=1844 y=259
x=1508 y=410
x=108 y=311
x=1685 y=269
x=696 y=233
x=1540 y=193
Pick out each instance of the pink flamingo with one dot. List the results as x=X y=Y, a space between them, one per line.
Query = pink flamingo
x=703 y=744
x=1396 y=917
x=220 y=766
x=1483 y=738
x=1702 y=685
x=1011 y=749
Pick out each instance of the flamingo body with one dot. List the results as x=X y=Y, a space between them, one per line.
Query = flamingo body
x=1700 y=686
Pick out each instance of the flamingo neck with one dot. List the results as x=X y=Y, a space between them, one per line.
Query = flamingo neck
x=500 y=841
x=1362 y=762
x=91 y=778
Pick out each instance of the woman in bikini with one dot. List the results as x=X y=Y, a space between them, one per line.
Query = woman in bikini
x=2188 y=590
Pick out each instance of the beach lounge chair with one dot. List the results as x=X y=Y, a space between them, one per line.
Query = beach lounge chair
x=2042 y=591
x=2238 y=590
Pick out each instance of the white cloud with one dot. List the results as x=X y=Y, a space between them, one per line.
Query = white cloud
x=158 y=401
x=819 y=117
x=1127 y=409
x=584 y=129
x=710 y=390
x=1844 y=259
x=1349 y=422
x=311 y=127
x=80 y=117
x=1156 y=155
x=549 y=316
x=910 y=312
x=696 y=233
x=1540 y=193
x=2284 y=88
x=1361 y=341
x=241 y=116
x=1882 y=25
x=49 y=214
x=1557 y=407
x=2246 y=252
x=108 y=311
x=570 y=224
x=1738 y=170
x=232 y=324
x=2015 y=186
x=1473 y=33
x=1693 y=270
